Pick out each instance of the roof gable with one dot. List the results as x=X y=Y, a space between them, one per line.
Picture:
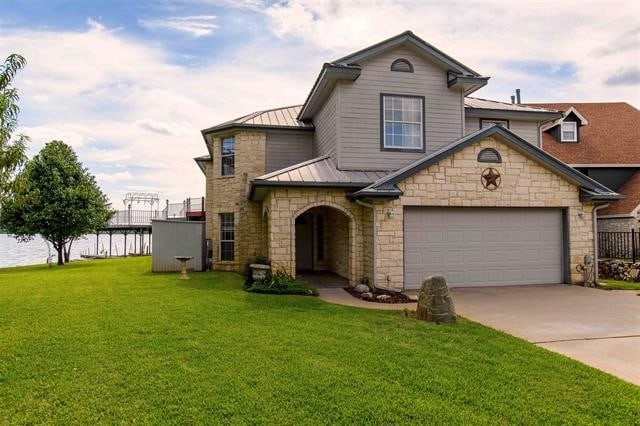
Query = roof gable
x=419 y=44
x=591 y=189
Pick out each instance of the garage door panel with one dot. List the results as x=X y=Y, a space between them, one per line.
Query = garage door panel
x=476 y=247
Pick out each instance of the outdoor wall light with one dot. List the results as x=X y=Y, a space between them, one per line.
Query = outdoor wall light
x=390 y=214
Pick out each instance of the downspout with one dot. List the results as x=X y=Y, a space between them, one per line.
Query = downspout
x=595 y=240
x=373 y=211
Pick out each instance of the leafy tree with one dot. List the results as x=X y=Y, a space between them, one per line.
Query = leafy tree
x=12 y=153
x=56 y=197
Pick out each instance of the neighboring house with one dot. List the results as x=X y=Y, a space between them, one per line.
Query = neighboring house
x=602 y=140
x=390 y=171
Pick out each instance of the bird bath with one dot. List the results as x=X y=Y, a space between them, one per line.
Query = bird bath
x=183 y=266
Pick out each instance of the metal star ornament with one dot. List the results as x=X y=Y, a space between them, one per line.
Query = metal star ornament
x=490 y=179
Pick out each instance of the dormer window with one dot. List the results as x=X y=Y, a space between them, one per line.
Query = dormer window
x=401 y=65
x=569 y=131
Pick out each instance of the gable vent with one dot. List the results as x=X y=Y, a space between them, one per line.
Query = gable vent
x=489 y=155
x=401 y=65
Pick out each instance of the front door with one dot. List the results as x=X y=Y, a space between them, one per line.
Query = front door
x=304 y=243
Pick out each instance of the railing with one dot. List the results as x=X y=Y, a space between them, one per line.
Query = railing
x=135 y=217
x=188 y=208
x=619 y=245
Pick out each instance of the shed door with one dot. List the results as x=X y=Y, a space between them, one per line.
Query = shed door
x=483 y=246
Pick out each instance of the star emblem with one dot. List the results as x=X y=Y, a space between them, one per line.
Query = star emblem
x=490 y=179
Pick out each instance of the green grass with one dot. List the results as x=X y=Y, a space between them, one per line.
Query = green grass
x=619 y=285
x=107 y=341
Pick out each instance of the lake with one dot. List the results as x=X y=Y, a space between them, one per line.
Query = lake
x=13 y=253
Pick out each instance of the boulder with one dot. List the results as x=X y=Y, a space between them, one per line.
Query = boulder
x=434 y=301
x=361 y=288
x=413 y=297
x=366 y=295
x=383 y=297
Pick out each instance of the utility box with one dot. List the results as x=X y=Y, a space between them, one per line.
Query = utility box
x=173 y=238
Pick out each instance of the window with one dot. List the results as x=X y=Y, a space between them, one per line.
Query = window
x=402 y=122
x=227 y=236
x=227 y=156
x=484 y=122
x=401 y=65
x=569 y=132
x=489 y=155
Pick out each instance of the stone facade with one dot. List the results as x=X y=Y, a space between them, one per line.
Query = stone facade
x=228 y=194
x=622 y=224
x=455 y=182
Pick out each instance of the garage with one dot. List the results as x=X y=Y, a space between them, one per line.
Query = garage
x=475 y=247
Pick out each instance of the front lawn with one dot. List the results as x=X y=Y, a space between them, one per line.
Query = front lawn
x=618 y=285
x=108 y=342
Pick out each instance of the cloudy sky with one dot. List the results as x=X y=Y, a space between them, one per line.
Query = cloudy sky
x=129 y=84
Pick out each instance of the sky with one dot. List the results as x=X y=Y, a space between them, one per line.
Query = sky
x=130 y=84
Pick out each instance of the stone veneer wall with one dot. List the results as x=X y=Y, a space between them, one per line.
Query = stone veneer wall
x=337 y=245
x=455 y=182
x=228 y=194
x=623 y=224
x=285 y=204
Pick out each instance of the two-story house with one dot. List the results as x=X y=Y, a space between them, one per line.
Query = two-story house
x=602 y=140
x=390 y=171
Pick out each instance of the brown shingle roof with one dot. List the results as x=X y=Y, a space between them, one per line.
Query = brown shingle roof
x=630 y=189
x=611 y=137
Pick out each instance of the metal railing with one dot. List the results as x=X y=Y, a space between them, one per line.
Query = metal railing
x=135 y=217
x=619 y=245
x=189 y=207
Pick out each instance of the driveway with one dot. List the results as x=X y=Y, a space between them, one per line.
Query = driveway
x=599 y=328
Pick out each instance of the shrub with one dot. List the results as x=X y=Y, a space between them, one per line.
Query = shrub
x=280 y=282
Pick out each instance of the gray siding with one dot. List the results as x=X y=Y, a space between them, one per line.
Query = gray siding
x=326 y=133
x=528 y=130
x=285 y=149
x=359 y=111
x=177 y=238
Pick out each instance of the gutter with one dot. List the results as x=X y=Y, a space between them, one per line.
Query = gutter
x=595 y=241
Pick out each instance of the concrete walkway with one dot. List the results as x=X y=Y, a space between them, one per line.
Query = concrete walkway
x=599 y=328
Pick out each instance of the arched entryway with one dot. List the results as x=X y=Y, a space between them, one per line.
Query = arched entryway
x=323 y=241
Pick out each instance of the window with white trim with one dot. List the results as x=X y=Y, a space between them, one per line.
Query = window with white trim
x=403 y=122
x=228 y=156
x=227 y=236
x=569 y=131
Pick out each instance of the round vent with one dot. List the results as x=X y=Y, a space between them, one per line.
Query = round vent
x=401 y=65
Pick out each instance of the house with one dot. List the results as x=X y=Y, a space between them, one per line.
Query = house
x=389 y=170
x=602 y=140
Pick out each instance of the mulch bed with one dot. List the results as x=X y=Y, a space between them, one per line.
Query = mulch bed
x=395 y=297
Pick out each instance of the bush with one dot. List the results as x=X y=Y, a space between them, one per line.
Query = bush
x=280 y=282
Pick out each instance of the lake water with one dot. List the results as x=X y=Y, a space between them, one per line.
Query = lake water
x=13 y=253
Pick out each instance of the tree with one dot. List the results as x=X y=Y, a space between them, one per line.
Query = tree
x=12 y=153
x=56 y=197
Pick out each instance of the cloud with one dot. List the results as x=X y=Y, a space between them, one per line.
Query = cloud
x=626 y=41
x=624 y=77
x=159 y=127
x=195 y=26
x=113 y=177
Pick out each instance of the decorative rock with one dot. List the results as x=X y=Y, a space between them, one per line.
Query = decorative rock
x=366 y=295
x=383 y=297
x=413 y=297
x=434 y=301
x=361 y=288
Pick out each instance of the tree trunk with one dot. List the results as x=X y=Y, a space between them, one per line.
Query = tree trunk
x=60 y=250
x=67 y=251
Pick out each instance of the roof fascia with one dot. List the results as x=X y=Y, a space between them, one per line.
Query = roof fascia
x=468 y=84
x=226 y=127
x=324 y=84
x=510 y=114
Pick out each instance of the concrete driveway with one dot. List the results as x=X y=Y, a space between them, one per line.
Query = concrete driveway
x=599 y=328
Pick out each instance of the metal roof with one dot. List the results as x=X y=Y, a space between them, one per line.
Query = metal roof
x=272 y=118
x=470 y=102
x=321 y=170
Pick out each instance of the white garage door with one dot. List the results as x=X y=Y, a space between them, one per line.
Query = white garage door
x=483 y=246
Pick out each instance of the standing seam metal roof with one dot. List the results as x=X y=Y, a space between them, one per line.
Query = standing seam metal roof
x=275 y=117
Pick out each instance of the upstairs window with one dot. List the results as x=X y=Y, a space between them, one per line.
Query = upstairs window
x=227 y=156
x=402 y=122
x=569 y=131
x=401 y=65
